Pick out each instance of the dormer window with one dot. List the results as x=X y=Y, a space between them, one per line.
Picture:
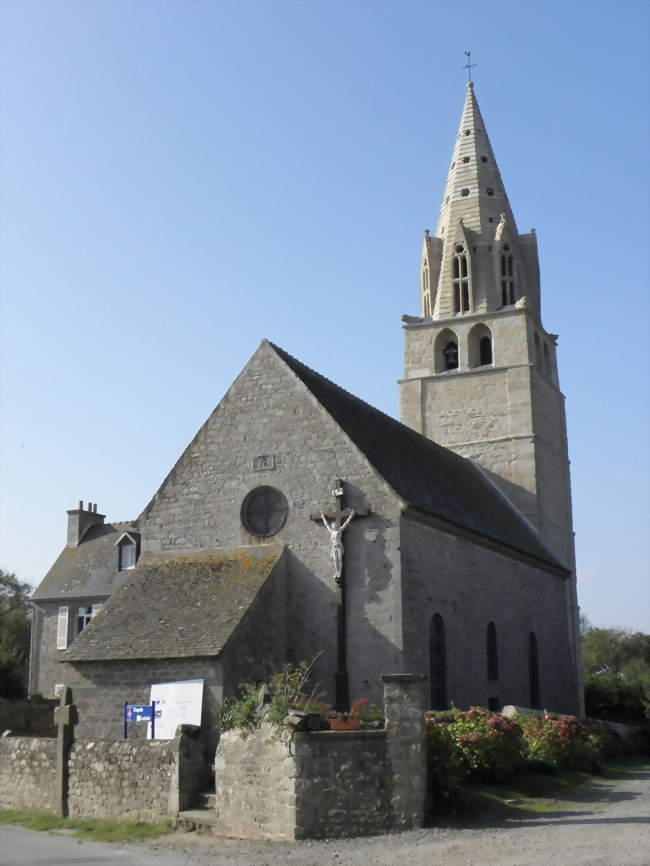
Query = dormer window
x=127 y=555
x=460 y=274
x=127 y=551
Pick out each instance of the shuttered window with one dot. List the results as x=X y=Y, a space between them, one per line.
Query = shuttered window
x=62 y=628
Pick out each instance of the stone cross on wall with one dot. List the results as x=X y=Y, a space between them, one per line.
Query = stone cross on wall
x=65 y=717
x=336 y=521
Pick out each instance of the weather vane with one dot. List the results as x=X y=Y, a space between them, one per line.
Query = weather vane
x=469 y=65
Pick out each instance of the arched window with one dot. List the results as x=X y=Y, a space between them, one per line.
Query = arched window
x=438 y=663
x=547 y=361
x=446 y=351
x=538 y=351
x=460 y=280
x=480 y=346
x=486 y=351
x=533 y=671
x=492 y=653
x=507 y=277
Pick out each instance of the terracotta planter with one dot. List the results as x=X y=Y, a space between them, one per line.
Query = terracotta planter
x=345 y=724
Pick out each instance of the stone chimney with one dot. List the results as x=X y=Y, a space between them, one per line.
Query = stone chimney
x=80 y=520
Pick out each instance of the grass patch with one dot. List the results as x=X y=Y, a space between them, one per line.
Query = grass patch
x=531 y=793
x=527 y=793
x=98 y=830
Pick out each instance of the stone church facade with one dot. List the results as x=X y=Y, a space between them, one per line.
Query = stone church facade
x=458 y=561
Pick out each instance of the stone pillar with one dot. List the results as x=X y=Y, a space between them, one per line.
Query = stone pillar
x=65 y=717
x=404 y=704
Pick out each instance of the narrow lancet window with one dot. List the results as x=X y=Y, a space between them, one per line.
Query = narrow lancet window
x=438 y=663
x=492 y=654
x=507 y=278
x=460 y=279
x=533 y=671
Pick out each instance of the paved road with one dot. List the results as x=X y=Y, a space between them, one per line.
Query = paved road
x=606 y=824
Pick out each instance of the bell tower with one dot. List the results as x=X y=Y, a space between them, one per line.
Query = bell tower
x=480 y=371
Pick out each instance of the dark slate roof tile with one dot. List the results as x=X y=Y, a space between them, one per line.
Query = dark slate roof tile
x=425 y=475
x=89 y=570
x=177 y=606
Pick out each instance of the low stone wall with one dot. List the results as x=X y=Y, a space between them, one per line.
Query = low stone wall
x=342 y=784
x=28 y=773
x=28 y=718
x=133 y=780
x=326 y=783
x=255 y=786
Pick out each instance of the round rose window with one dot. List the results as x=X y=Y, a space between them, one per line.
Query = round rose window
x=264 y=511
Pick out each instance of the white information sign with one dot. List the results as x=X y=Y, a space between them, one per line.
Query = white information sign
x=176 y=704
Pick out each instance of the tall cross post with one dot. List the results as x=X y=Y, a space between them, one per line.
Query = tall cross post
x=336 y=522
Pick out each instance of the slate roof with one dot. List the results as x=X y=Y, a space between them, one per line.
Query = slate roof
x=425 y=475
x=177 y=606
x=89 y=570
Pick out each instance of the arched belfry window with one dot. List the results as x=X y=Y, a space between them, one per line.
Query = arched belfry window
x=507 y=277
x=446 y=351
x=480 y=346
x=533 y=672
x=492 y=653
x=460 y=279
x=538 y=351
x=438 y=663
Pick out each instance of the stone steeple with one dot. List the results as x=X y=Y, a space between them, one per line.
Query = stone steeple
x=464 y=268
x=480 y=373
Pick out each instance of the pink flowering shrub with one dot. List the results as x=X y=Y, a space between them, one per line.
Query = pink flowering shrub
x=491 y=746
x=562 y=741
x=483 y=745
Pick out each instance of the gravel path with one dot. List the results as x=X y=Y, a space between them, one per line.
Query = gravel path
x=605 y=824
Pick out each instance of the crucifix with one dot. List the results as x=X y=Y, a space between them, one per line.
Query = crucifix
x=336 y=521
x=469 y=65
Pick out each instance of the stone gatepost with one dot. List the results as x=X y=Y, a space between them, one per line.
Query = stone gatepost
x=404 y=704
x=65 y=717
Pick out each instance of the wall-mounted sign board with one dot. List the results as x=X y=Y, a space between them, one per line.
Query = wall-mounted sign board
x=177 y=704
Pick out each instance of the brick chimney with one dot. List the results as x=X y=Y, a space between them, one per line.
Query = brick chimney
x=80 y=520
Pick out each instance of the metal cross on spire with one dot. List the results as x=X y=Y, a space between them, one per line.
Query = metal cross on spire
x=469 y=65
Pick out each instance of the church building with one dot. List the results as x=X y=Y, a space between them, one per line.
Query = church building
x=302 y=523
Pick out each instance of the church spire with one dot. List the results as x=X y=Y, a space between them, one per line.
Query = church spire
x=476 y=261
x=474 y=191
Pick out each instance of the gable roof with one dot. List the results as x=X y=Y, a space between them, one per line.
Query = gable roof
x=425 y=475
x=177 y=606
x=91 y=569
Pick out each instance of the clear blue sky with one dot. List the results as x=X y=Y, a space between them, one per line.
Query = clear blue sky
x=181 y=179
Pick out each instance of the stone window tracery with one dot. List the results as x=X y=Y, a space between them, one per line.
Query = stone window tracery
x=460 y=280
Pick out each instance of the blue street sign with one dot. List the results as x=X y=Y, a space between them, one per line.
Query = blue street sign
x=137 y=713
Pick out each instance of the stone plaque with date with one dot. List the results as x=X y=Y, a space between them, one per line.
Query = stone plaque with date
x=264 y=463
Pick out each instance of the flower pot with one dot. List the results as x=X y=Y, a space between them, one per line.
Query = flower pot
x=345 y=724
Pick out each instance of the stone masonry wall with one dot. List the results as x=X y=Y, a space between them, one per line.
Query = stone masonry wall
x=129 y=779
x=30 y=718
x=101 y=688
x=268 y=411
x=255 y=786
x=470 y=586
x=28 y=773
x=326 y=783
x=342 y=784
